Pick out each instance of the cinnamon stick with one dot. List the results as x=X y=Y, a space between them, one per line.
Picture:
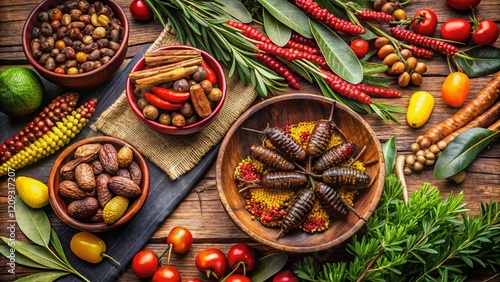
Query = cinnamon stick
x=172 y=52
x=167 y=76
x=134 y=76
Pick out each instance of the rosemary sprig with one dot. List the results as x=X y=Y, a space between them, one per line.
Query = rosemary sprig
x=424 y=240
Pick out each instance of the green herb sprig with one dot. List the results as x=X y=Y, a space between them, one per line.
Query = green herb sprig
x=427 y=239
x=45 y=251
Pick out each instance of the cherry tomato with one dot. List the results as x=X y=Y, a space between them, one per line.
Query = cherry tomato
x=424 y=22
x=285 y=276
x=237 y=278
x=242 y=257
x=463 y=4
x=140 y=10
x=180 y=238
x=145 y=263
x=455 y=89
x=212 y=262
x=456 y=29
x=167 y=273
x=193 y=280
x=485 y=33
x=360 y=47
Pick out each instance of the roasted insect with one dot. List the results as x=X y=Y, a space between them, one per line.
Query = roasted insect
x=283 y=180
x=331 y=200
x=321 y=136
x=346 y=177
x=334 y=156
x=296 y=213
x=285 y=144
x=270 y=158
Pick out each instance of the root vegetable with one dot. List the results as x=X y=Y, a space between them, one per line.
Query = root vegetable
x=475 y=107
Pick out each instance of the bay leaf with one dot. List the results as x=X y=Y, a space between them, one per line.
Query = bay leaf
x=289 y=15
x=390 y=151
x=338 y=55
x=485 y=60
x=373 y=68
x=34 y=223
x=44 y=276
x=56 y=243
x=236 y=10
x=20 y=259
x=462 y=151
x=267 y=266
x=275 y=30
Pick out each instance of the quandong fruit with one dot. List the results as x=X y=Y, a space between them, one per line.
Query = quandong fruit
x=60 y=107
x=54 y=139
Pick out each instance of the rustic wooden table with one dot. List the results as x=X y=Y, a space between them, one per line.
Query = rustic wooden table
x=202 y=212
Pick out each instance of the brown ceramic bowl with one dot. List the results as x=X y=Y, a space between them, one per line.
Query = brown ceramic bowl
x=60 y=205
x=187 y=129
x=292 y=109
x=82 y=80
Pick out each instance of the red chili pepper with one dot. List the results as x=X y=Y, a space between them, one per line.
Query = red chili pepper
x=170 y=95
x=160 y=103
x=210 y=73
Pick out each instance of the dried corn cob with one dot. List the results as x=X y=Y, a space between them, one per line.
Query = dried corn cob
x=50 y=142
x=54 y=112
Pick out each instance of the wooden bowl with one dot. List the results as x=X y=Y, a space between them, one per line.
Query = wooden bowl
x=82 y=80
x=60 y=205
x=291 y=109
x=187 y=129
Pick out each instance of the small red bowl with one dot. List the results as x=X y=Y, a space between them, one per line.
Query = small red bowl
x=83 y=80
x=188 y=129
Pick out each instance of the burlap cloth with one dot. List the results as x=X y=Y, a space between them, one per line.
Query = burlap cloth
x=175 y=155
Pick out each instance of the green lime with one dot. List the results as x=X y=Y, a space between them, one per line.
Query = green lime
x=21 y=91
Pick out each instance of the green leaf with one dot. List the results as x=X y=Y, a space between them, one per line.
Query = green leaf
x=20 y=259
x=56 y=243
x=390 y=151
x=38 y=254
x=462 y=151
x=34 y=223
x=338 y=55
x=45 y=276
x=485 y=60
x=275 y=30
x=289 y=15
x=370 y=68
x=236 y=10
x=267 y=266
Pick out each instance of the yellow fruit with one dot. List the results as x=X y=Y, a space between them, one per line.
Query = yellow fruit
x=21 y=91
x=33 y=192
x=114 y=209
x=419 y=109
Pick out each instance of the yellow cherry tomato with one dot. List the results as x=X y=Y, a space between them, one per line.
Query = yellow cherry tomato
x=89 y=247
x=455 y=89
x=419 y=109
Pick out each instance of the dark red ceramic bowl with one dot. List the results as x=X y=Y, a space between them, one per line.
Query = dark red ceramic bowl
x=83 y=80
x=188 y=129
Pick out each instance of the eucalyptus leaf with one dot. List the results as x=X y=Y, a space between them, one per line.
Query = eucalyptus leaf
x=38 y=254
x=236 y=10
x=373 y=68
x=34 y=223
x=267 y=266
x=390 y=151
x=45 y=276
x=485 y=60
x=56 y=243
x=289 y=15
x=462 y=151
x=275 y=30
x=338 y=55
x=20 y=259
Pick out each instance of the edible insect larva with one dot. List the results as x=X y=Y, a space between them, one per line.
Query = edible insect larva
x=320 y=136
x=334 y=156
x=283 y=180
x=285 y=144
x=270 y=158
x=298 y=210
x=330 y=200
x=346 y=177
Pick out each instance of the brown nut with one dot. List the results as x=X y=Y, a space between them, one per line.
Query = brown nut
x=102 y=190
x=125 y=156
x=84 y=176
x=123 y=172
x=398 y=68
x=84 y=208
x=381 y=41
x=416 y=79
x=124 y=187
x=406 y=53
x=97 y=217
x=411 y=62
x=385 y=50
x=70 y=190
x=421 y=68
x=404 y=79
x=97 y=167
x=88 y=152
x=109 y=158
x=135 y=172
x=390 y=59
x=67 y=170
